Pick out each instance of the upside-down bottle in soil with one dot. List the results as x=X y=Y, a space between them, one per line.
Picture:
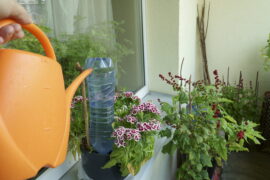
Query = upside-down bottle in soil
x=101 y=89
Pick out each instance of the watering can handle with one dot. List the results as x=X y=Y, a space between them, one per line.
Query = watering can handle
x=38 y=33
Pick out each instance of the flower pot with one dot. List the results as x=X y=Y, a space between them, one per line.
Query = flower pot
x=92 y=164
x=215 y=171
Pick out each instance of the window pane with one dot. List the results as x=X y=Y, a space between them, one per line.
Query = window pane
x=130 y=11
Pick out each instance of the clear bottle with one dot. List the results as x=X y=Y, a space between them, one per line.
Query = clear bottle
x=101 y=89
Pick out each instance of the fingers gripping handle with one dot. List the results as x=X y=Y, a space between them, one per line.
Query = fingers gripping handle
x=38 y=33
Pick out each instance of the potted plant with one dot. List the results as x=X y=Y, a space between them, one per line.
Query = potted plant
x=199 y=127
x=134 y=130
x=135 y=127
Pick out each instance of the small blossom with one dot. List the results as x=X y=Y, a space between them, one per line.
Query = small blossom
x=128 y=94
x=123 y=134
x=119 y=119
x=136 y=98
x=214 y=106
x=146 y=107
x=240 y=135
x=131 y=119
x=72 y=105
x=153 y=125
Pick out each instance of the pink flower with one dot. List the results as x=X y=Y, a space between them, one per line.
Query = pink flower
x=137 y=137
x=145 y=107
x=122 y=134
x=128 y=94
x=153 y=125
x=72 y=105
x=131 y=119
x=136 y=98
x=118 y=119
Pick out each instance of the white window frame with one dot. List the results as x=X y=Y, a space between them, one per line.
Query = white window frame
x=145 y=89
x=57 y=173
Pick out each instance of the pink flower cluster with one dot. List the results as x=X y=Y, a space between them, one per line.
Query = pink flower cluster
x=153 y=125
x=127 y=94
x=76 y=100
x=145 y=107
x=131 y=119
x=122 y=134
x=136 y=98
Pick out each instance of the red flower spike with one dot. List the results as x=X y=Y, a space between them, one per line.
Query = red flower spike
x=215 y=116
x=215 y=72
x=214 y=106
x=240 y=135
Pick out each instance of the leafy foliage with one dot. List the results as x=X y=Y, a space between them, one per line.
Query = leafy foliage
x=266 y=55
x=200 y=128
x=134 y=130
x=244 y=104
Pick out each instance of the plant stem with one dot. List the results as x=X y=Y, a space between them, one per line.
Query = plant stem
x=181 y=83
x=228 y=76
x=85 y=109
x=181 y=68
x=257 y=87
x=203 y=33
x=189 y=94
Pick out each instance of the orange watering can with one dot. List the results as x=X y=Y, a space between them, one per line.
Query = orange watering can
x=34 y=109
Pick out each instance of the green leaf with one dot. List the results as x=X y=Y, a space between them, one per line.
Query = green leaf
x=206 y=160
x=224 y=100
x=166 y=107
x=110 y=164
x=181 y=98
x=230 y=119
x=199 y=167
x=169 y=148
x=166 y=133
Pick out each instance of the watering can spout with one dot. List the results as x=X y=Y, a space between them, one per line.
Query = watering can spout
x=70 y=91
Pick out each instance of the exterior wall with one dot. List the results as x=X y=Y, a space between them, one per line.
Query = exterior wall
x=162 y=24
x=238 y=30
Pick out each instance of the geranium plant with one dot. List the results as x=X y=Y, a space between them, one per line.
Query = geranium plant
x=199 y=127
x=134 y=133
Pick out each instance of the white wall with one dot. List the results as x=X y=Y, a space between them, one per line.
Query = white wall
x=162 y=21
x=238 y=30
x=171 y=35
x=188 y=39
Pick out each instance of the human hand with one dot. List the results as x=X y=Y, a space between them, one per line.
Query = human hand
x=11 y=9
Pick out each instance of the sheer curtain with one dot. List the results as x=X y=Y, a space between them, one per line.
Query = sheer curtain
x=69 y=16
